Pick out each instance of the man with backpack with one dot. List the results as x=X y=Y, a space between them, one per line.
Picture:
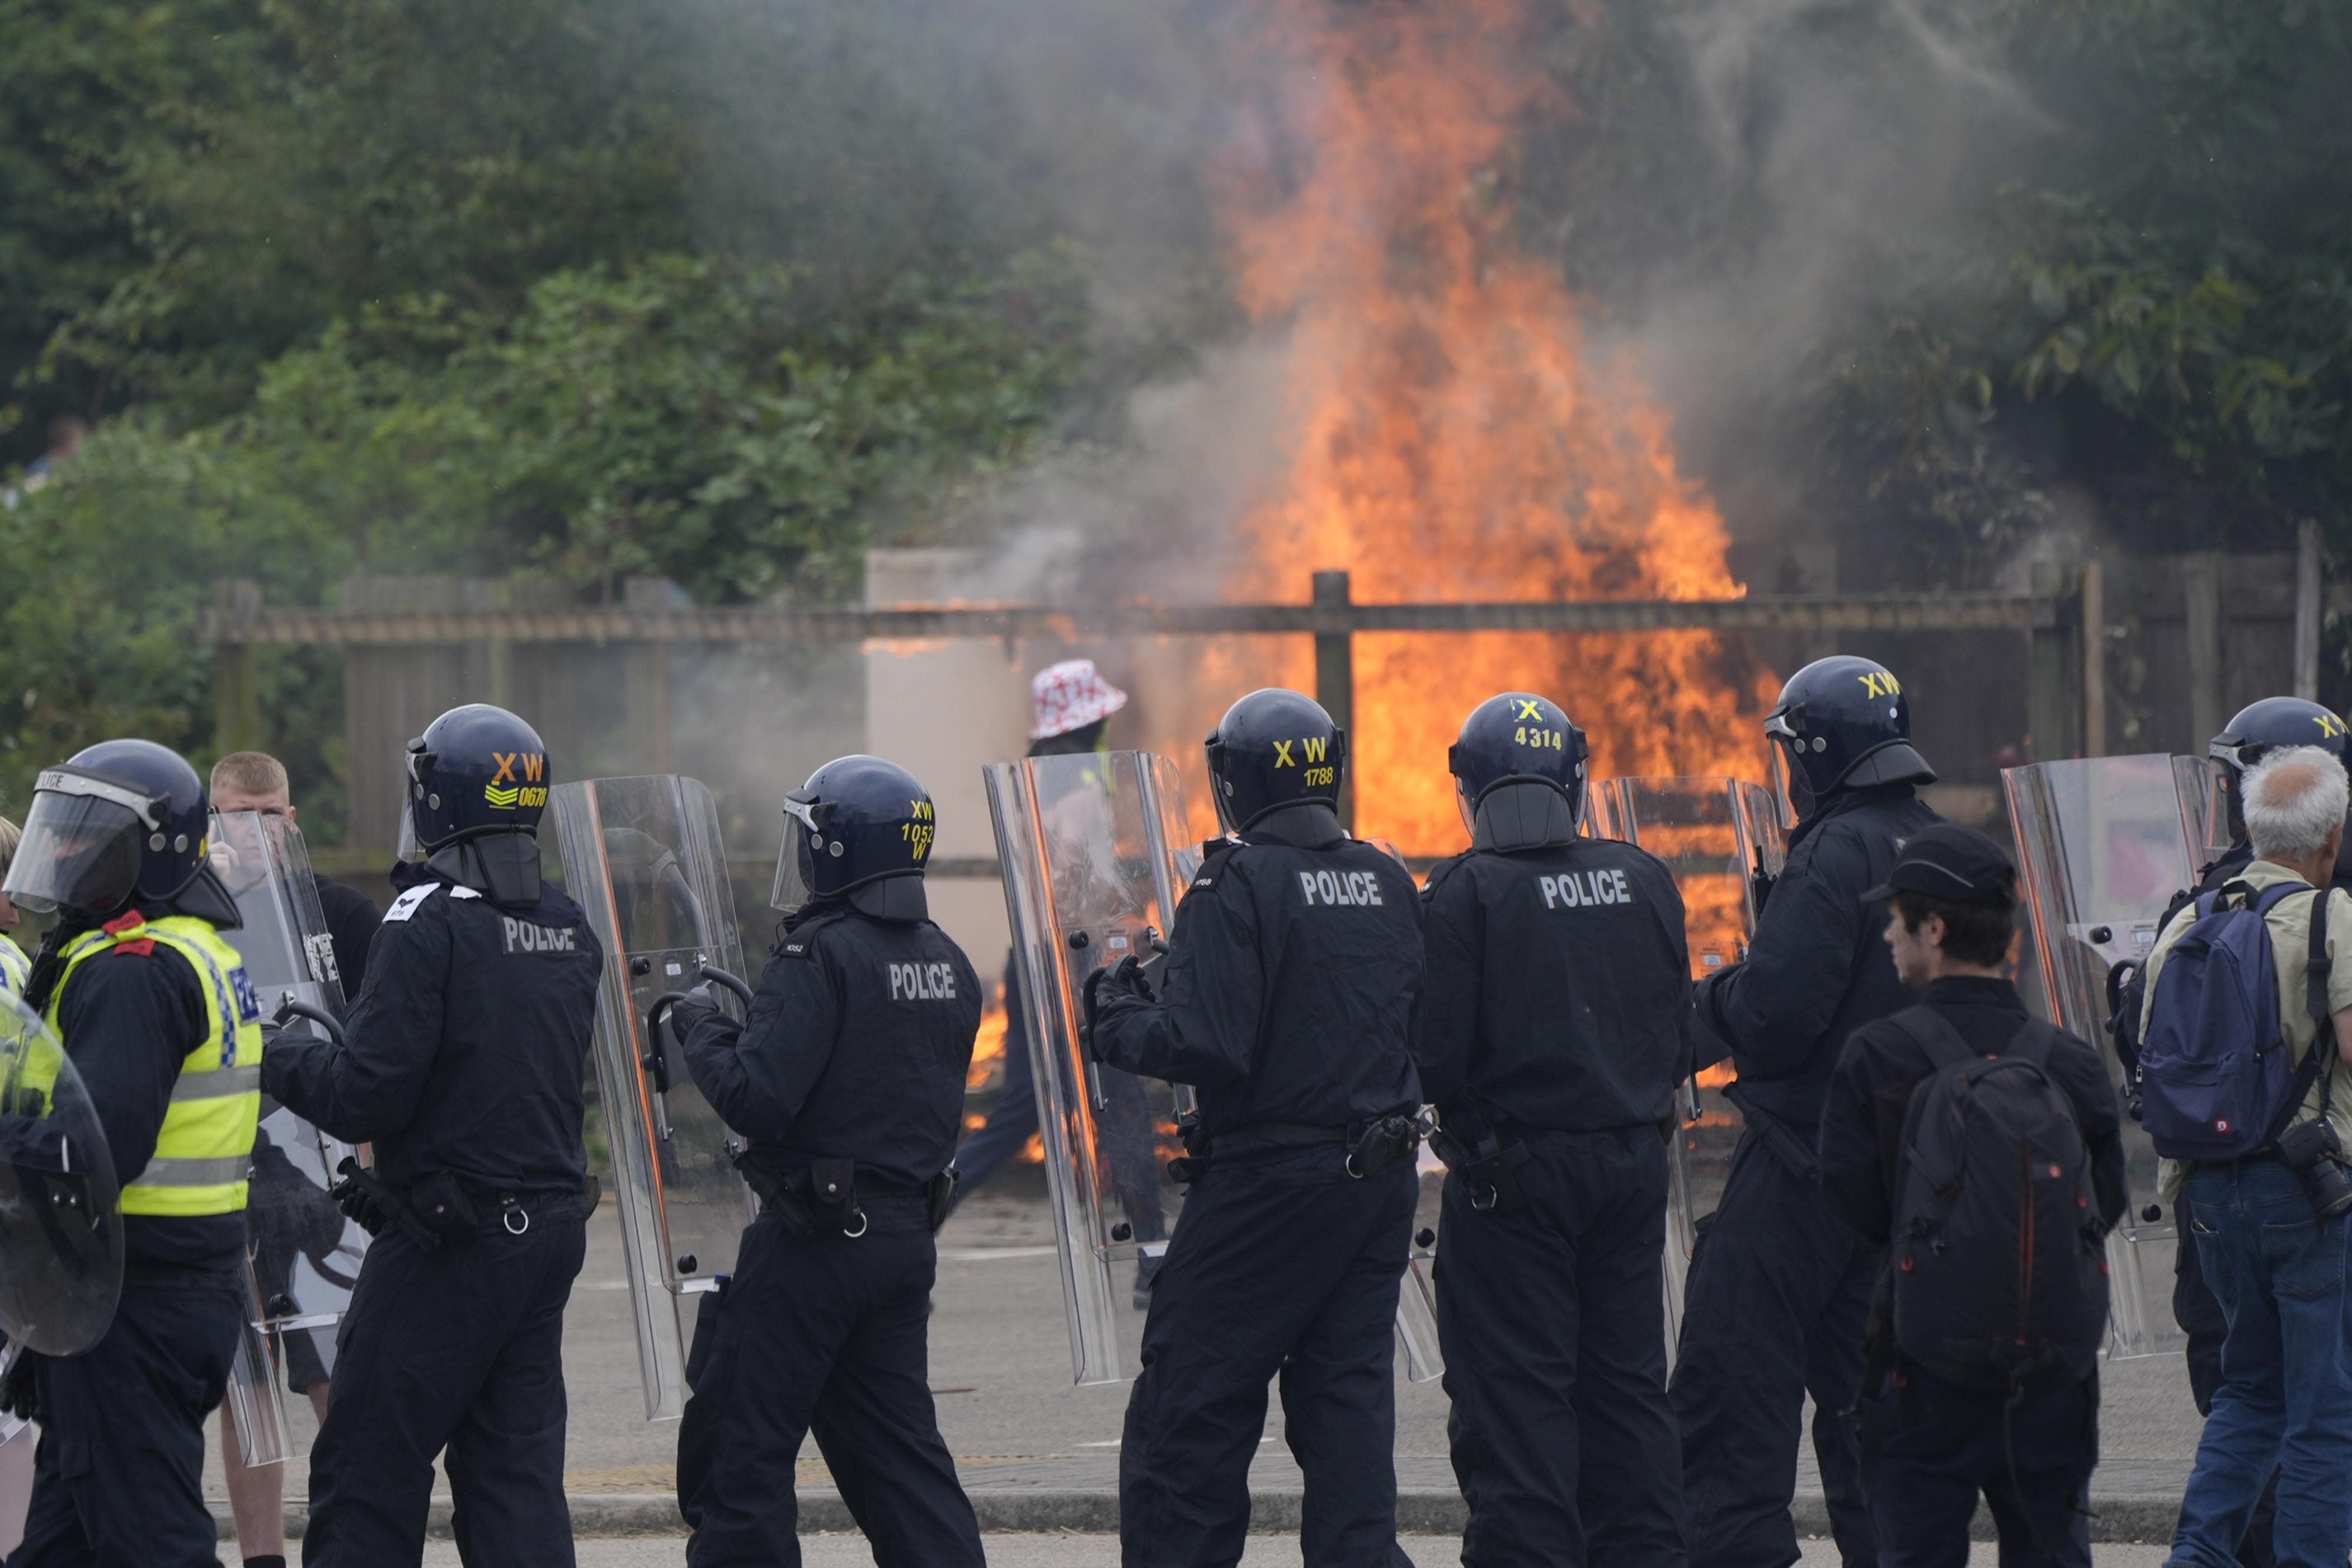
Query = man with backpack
x=2242 y=1037
x=1982 y=1147
x=2256 y=730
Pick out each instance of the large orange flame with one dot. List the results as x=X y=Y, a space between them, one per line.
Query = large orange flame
x=1453 y=439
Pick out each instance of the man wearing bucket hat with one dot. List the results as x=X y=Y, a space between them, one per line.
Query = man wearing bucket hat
x=1070 y=708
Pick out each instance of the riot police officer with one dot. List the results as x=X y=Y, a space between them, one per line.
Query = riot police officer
x=847 y=1077
x=1290 y=981
x=462 y=1060
x=1780 y=1290
x=1556 y=1022
x=161 y=1021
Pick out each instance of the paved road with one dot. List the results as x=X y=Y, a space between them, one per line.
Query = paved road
x=1000 y=1360
x=1097 y=1550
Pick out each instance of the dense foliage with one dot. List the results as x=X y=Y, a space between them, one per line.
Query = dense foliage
x=725 y=289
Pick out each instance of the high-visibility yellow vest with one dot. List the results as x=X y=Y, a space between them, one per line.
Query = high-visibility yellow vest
x=206 y=1147
x=15 y=968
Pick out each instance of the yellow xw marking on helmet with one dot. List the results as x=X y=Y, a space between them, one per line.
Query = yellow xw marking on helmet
x=1282 y=757
x=2330 y=727
x=1530 y=707
x=1879 y=683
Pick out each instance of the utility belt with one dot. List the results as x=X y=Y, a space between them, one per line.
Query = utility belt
x=441 y=1209
x=1484 y=1151
x=822 y=1196
x=1786 y=1144
x=1372 y=1144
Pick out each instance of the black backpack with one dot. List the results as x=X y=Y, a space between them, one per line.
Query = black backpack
x=1998 y=1261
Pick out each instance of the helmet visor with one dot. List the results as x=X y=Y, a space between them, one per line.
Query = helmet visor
x=793 y=870
x=79 y=853
x=1791 y=785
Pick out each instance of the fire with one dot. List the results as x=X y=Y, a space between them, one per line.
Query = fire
x=1453 y=440
x=988 y=1046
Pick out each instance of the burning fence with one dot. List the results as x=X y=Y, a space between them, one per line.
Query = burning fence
x=1452 y=436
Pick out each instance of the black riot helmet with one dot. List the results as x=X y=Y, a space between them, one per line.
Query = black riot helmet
x=477 y=770
x=1274 y=748
x=2262 y=726
x=1841 y=723
x=120 y=821
x=861 y=827
x=1520 y=739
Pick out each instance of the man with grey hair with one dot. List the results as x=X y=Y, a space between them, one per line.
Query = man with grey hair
x=2272 y=1255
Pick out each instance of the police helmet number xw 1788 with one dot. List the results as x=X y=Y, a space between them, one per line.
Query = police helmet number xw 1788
x=1584 y=889
x=922 y=982
x=1346 y=889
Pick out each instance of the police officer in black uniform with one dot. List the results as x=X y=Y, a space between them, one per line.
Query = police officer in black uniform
x=1780 y=1290
x=163 y=1027
x=462 y=1061
x=2257 y=728
x=848 y=1079
x=1556 y=1022
x=1290 y=983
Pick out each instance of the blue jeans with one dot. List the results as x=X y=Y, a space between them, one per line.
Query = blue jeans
x=2286 y=1398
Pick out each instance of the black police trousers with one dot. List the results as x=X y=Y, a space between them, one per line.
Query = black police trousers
x=459 y=1349
x=827 y=1333
x=1940 y=1445
x=119 y=1478
x=1555 y=1338
x=2198 y=1312
x=1775 y=1309
x=1282 y=1264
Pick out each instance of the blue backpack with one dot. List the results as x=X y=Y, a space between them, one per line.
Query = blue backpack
x=2216 y=1081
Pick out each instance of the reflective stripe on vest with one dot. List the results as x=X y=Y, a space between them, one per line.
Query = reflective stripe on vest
x=15 y=968
x=206 y=1147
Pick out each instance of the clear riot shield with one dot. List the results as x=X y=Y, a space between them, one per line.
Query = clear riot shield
x=1722 y=838
x=2102 y=847
x=1096 y=856
x=642 y=857
x=60 y=1231
x=2201 y=785
x=306 y=1254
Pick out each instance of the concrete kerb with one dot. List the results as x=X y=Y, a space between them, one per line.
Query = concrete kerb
x=1026 y=1510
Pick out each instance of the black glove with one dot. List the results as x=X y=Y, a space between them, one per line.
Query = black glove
x=1124 y=979
x=357 y=1199
x=20 y=1391
x=687 y=1013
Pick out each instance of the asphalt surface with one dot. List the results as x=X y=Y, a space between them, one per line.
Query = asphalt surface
x=1000 y=1368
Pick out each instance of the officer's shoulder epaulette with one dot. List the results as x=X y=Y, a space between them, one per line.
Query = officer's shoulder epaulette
x=800 y=942
x=407 y=903
x=1443 y=870
x=1213 y=855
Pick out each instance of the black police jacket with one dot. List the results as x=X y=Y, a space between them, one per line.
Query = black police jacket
x=856 y=1046
x=1861 y=1127
x=466 y=1049
x=129 y=1020
x=1817 y=969
x=1294 y=971
x=1558 y=987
